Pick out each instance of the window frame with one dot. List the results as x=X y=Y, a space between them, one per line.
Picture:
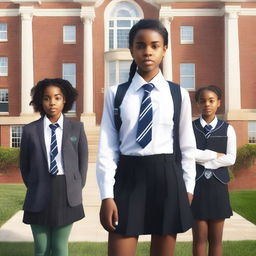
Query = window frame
x=4 y=32
x=252 y=141
x=4 y=102
x=4 y=73
x=193 y=76
x=186 y=41
x=66 y=77
x=66 y=41
x=18 y=138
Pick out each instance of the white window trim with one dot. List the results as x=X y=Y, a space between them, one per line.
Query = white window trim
x=251 y=132
x=69 y=41
x=5 y=112
x=190 y=76
x=11 y=134
x=187 y=41
x=107 y=17
x=5 y=74
x=6 y=39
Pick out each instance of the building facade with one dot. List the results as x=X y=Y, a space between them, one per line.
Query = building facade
x=85 y=41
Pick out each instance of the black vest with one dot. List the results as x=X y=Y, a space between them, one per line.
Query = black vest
x=217 y=141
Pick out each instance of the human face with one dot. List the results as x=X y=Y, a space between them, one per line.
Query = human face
x=53 y=102
x=208 y=105
x=148 y=50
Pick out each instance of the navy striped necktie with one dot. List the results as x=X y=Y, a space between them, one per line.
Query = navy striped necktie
x=207 y=130
x=53 y=150
x=144 y=131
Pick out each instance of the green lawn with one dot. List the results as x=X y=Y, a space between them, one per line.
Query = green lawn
x=244 y=203
x=11 y=200
x=241 y=248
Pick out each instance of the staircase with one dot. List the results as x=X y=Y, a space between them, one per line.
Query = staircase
x=93 y=139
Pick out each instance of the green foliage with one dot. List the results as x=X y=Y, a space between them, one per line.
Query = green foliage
x=11 y=200
x=246 y=156
x=243 y=202
x=8 y=157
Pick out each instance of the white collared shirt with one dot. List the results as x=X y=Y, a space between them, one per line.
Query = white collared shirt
x=209 y=159
x=47 y=139
x=162 y=131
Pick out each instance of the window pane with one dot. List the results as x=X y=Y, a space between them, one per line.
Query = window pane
x=187 y=69
x=16 y=132
x=186 y=33
x=124 y=67
x=3 y=66
x=111 y=39
x=187 y=82
x=112 y=73
x=69 y=33
x=3 y=31
x=122 y=38
x=124 y=23
x=187 y=75
x=252 y=132
x=124 y=9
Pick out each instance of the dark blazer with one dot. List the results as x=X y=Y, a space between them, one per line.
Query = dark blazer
x=34 y=166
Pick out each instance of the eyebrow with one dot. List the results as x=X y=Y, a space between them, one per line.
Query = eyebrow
x=154 y=42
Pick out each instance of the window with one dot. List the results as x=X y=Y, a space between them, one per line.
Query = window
x=118 y=72
x=69 y=73
x=186 y=35
x=4 y=100
x=3 y=66
x=3 y=32
x=252 y=131
x=187 y=75
x=122 y=17
x=69 y=34
x=16 y=132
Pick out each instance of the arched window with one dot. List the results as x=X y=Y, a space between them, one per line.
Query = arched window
x=122 y=17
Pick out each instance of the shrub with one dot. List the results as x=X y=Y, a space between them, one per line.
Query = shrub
x=8 y=157
x=246 y=156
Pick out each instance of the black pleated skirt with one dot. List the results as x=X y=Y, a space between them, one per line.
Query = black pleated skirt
x=58 y=213
x=151 y=196
x=211 y=200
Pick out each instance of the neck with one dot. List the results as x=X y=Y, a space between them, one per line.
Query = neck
x=147 y=76
x=208 y=119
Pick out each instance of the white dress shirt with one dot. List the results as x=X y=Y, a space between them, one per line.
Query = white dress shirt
x=113 y=143
x=209 y=159
x=47 y=139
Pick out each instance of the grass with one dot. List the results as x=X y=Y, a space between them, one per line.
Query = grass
x=243 y=202
x=240 y=248
x=11 y=200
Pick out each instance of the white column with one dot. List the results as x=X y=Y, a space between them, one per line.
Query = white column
x=87 y=16
x=166 y=18
x=232 y=62
x=27 y=66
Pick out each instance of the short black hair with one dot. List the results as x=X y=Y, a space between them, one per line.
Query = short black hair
x=37 y=93
x=155 y=25
x=212 y=88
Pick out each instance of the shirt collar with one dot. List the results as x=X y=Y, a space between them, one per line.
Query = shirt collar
x=213 y=123
x=138 y=81
x=60 y=121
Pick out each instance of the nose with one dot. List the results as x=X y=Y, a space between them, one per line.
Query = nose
x=147 y=51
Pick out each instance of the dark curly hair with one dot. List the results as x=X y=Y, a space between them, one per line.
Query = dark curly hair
x=212 y=88
x=37 y=93
x=155 y=25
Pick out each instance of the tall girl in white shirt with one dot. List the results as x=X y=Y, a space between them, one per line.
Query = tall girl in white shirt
x=143 y=190
x=216 y=149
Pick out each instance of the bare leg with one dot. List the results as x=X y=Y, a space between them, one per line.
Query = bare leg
x=200 y=237
x=119 y=245
x=215 y=237
x=162 y=245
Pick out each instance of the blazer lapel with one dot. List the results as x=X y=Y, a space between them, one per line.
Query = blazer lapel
x=40 y=129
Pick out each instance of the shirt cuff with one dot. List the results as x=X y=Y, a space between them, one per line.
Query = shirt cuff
x=190 y=187
x=106 y=192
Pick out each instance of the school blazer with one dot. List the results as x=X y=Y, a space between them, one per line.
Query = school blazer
x=34 y=166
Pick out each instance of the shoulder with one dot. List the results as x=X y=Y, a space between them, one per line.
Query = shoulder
x=33 y=124
x=73 y=123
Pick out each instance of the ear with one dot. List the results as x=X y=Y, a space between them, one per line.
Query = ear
x=165 y=49
x=219 y=103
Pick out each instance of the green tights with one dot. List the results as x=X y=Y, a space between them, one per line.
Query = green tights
x=51 y=241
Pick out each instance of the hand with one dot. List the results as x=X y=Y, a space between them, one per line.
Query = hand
x=109 y=214
x=220 y=154
x=190 y=198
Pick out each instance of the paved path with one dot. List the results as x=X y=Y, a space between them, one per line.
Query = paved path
x=89 y=229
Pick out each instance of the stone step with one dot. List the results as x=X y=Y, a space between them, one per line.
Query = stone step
x=92 y=134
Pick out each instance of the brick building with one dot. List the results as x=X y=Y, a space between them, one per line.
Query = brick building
x=85 y=41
